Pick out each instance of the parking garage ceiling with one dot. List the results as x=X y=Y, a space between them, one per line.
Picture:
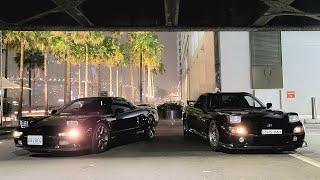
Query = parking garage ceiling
x=160 y=14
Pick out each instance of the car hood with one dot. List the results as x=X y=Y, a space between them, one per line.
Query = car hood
x=59 y=120
x=254 y=113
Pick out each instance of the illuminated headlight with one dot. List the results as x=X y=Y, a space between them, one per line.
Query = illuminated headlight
x=298 y=130
x=234 y=119
x=72 y=133
x=17 y=134
x=239 y=130
x=293 y=118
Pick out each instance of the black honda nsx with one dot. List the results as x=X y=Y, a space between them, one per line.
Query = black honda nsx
x=85 y=124
x=240 y=121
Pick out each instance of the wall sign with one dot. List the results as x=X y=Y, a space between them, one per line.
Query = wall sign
x=291 y=94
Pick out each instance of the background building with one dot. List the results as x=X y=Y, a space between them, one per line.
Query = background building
x=196 y=68
x=278 y=67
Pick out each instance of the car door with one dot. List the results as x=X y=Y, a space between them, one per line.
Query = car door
x=196 y=113
x=125 y=114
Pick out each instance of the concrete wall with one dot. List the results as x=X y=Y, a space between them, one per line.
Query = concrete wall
x=301 y=64
x=235 y=61
x=198 y=65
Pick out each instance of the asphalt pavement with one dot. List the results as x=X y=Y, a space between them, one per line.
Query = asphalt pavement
x=168 y=156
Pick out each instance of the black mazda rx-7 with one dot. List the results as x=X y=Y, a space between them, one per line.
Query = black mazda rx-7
x=85 y=124
x=240 y=121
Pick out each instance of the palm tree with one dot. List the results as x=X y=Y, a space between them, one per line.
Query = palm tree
x=86 y=39
x=108 y=53
x=61 y=48
x=21 y=40
x=32 y=60
x=146 y=48
x=43 y=43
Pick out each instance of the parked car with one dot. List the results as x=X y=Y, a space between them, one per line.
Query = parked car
x=85 y=124
x=241 y=121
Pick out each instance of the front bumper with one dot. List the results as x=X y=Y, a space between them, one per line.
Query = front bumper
x=53 y=144
x=267 y=142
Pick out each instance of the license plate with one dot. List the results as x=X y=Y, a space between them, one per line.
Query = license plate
x=271 y=131
x=35 y=140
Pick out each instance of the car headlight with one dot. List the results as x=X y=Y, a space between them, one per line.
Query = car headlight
x=234 y=119
x=17 y=134
x=72 y=133
x=293 y=118
x=298 y=130
x=239 y=130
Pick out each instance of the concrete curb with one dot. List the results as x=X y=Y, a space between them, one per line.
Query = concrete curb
x=311 y=121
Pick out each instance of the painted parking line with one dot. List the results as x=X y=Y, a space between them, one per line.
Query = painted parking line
x=306 y=159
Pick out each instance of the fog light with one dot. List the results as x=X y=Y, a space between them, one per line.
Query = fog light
x=17 y=134
x=239 y=130
x=241 y=139
x=298 y=130
x=63 y=142
x=295 y=138
x=20 y=142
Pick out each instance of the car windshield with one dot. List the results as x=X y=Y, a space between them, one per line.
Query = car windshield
x=234 y=101
x=87 y=107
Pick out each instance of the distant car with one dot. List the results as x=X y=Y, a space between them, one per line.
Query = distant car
x=241 y=121
x=85 y=124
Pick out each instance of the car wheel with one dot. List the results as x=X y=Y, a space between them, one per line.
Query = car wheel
x=186 y=132
x=100 y=138
x=150 y=130
x=214 y=137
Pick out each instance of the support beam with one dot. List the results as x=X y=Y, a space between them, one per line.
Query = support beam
x=171 y=12
x=74 y=11
x=281 y=8
x=70 y=7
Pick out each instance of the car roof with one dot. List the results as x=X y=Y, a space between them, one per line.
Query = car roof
x=98 y=98
x=226 y=93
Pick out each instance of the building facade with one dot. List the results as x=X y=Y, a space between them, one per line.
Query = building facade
x=196 y=68
x=277 y=67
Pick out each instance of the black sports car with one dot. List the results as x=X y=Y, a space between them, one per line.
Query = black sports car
x=241 y=121
x=85 y=124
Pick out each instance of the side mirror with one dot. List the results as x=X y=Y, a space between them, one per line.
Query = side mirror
x=269 y=105
x=119 y=111
x=191 y=103
x=54 y=112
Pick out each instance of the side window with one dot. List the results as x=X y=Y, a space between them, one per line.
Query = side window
x=201 y=102
x=251 y=102
x=120 y=104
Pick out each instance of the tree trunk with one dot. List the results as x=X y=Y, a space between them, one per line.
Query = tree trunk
x=152 y=85
x=117 y=81
x=45 y=73
x=21 y=73
x=110 y=81
x=67 y=82
x=5 y=95
x=29 y=86
x=132 y=83
x=86 y=73
x=149 y=82
x=99 y=79
x=79 y=80
x=141 y=78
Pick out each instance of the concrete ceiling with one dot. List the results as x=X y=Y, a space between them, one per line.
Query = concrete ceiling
x=160 y=14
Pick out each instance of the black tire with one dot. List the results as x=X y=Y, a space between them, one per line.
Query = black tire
x=100 y=138
x=186 y=130
x=150 y=130
x=214 y=136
